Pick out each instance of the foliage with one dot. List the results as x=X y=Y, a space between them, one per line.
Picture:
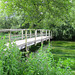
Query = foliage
x=55 y=15
x=13 y=63
x=13 y=21
x=10 y=59
x=42 y=63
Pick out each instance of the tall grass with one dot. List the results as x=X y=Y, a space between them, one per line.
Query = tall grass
x=40 y=63
x=10 y=59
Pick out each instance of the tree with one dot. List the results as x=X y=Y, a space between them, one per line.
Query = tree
x=37 y=11
x=56 y=15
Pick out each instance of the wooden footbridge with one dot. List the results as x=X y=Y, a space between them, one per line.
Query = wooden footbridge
x=26 y=37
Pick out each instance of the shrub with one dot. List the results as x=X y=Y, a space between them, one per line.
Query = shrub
x=10 y=59
x=40 y=63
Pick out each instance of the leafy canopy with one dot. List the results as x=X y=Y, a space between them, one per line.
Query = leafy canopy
x=37 y=11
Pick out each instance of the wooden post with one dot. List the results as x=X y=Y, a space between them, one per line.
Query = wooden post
x=35 y=36
x=30 y=33
x=9 y=35
x=41 y=36
x=46 y=35
x=36 y=33
x=41 y=39
x=49 y=35
x=46 y=32
x=26 y=40
x=22 y=34
x=43 y=33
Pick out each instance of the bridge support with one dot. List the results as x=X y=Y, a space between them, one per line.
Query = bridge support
x=27 y=48
x=30 y=33
x=22 y=34
x=26 y=40
x=35 y=37
x=46 y=34
x=41 y=37
x=27 y=52
x=49 y=35
x=9 y=36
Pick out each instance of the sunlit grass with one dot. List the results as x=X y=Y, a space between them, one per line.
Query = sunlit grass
x=63 y=50
x=64 y=44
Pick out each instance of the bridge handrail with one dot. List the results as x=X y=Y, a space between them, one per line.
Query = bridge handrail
x=7 y=30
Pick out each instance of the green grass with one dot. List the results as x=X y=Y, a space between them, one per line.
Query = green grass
x=58 y=51
x=63 y=50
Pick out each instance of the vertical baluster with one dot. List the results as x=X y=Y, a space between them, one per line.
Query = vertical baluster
x=22 y=34
x=46 y=35
x=26 y=40
x=30 y=33
x=46 y=32
x=49 y=35
x=41 y=39
x=35 y=36
x=36 y=33
x=9 y=35
x=41 y=36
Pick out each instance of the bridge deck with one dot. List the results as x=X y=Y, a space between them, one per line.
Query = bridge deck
x=30 y=41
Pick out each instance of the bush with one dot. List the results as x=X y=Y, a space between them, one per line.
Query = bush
x=10 y=59
x=40 y=63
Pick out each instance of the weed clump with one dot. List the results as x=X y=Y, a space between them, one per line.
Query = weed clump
x=40 y=63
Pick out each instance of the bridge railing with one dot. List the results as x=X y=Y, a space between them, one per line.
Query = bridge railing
x=20 y=34
x=24 y=34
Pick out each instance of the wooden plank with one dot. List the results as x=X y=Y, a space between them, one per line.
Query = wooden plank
x=19 y=38
x=26 y=40
x=41 y=36
x=35 y=36
x=9 y=35
x=16 y=35
x=7 y=30
x=30 y=33
x=46 y=32
x=22 y=34
x=49 y=35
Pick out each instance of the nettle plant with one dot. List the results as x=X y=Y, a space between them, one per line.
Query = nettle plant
x=40 y=63
x=43 y=63
x=10 y=59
